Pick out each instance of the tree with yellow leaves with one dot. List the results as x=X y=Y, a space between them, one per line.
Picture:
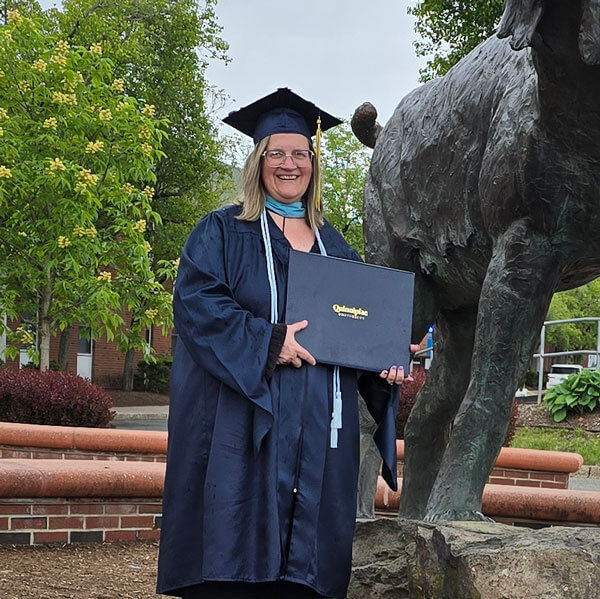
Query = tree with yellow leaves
x=76 y=157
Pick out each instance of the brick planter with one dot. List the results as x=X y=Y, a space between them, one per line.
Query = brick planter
x=55 y=501
x=49 y=442
x=37 y=453
x=525 y=467
x=67 y=485
x=36 y=520
x=517 y=505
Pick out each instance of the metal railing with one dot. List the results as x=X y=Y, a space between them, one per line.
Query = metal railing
x=579 y=352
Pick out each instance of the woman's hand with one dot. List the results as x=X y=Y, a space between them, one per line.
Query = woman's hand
x=395 y=374
x=292 y=352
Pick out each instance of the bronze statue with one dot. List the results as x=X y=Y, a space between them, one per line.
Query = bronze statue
x=486 y=184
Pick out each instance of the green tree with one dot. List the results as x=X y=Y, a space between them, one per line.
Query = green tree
x=575 y=303
x=345 y=164
x=450 y=29
x=76 y=155
x=160 y=49
x=23 y=6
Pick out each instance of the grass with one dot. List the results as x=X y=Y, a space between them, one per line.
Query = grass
x=574 y=440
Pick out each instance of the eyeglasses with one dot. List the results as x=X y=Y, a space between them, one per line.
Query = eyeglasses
x=278 y=157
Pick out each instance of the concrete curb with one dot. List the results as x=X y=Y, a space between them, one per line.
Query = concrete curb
x=141 y=413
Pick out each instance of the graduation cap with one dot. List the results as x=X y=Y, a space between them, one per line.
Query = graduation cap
x=282 y=111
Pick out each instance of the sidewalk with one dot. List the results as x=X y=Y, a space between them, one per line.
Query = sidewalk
x=587 y=479
x=149 y=418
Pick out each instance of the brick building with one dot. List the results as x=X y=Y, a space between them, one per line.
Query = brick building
x=99 y=360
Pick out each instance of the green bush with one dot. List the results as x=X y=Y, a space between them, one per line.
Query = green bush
x=578 y=392
x=154 y=376
x=531 y=378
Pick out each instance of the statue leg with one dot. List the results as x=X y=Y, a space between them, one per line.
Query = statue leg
x=515 y=296
x=426 y=432
x=370 y=461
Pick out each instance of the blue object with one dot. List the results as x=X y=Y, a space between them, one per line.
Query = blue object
x=292 y=210
x=253 y=492
x=429 y=342
x=280 y=120
x=361 y=314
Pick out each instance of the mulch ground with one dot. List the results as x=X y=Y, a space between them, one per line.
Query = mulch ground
x=82 y=571
x=137 y=398
x=534 y=415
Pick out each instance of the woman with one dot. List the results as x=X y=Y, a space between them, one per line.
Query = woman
x=258 y=502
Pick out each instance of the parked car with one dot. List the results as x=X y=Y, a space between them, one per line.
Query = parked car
x=559 y=372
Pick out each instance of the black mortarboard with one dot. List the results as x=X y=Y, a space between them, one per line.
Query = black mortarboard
x=280 y=112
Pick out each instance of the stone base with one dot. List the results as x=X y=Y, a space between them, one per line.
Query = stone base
x=407 y=559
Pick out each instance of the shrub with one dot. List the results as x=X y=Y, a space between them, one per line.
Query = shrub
x=154 y=376
x=512 y=423
x=409 y=394
x=407 y=399
x=531 y=378
x=50 y=397
x=575 y=394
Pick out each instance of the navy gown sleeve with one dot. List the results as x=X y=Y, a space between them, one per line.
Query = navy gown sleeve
x=382 y=402
x=227 y=341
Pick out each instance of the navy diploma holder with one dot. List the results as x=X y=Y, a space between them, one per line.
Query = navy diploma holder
x=359 y=315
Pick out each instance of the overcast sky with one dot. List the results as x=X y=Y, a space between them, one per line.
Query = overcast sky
x=336 y=53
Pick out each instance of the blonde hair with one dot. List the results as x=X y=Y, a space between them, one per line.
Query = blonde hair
x=252 y=197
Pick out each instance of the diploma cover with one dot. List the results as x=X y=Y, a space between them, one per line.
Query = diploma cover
x=359 y=315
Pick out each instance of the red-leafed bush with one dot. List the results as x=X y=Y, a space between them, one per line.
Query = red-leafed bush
x=409 y=394
x=56 y=398
x=407 y=399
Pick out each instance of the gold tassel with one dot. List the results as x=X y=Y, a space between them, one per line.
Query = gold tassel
x=318 y=162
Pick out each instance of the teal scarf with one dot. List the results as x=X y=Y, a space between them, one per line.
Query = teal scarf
x=293 y=210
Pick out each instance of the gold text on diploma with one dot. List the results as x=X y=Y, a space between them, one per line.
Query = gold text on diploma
x=350 y=312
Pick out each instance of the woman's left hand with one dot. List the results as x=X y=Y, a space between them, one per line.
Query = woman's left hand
x=395 y=374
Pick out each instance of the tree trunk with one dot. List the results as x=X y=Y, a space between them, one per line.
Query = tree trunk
x=63 y=348
x=128 y=370
x=44 y=328
x=44 y=340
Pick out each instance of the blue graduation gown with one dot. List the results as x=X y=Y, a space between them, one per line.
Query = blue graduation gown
x=253 y=492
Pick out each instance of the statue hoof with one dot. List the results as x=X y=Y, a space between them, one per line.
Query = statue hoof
x=453 y=515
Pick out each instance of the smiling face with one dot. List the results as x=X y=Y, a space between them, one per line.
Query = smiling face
x=288 y=182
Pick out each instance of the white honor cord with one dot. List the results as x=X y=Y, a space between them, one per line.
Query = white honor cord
x=270 y=268
x=336 y=416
